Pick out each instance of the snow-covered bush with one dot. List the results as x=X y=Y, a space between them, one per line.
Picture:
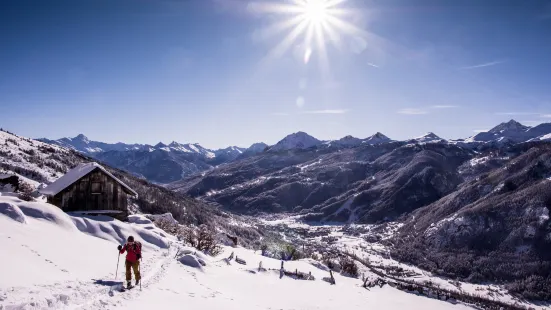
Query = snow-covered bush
x=25 y=191
x=168 y=226
x=348 y=267
x=202 y=238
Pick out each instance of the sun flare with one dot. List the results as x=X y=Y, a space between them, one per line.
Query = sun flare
x=315 y=11
x=309 y=26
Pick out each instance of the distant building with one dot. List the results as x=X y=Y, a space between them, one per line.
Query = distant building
x=91 y=189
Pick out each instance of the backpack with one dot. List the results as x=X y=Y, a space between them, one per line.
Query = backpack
x=137 y=248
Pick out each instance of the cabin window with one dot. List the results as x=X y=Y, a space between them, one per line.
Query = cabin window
x=96 y=187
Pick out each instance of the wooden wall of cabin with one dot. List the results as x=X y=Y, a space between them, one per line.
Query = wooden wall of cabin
x=95 y=191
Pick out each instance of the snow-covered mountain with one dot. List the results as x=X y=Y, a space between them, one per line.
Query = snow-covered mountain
x=512 y=132
x=164 y=163
x=298 y=140
x=540 y=131
x=84 y=145
x=256 y=148
x=190 y=148
x=427 y=138
x=348 y=141
x=232 y=151
x=161 y=163
x=377 y=138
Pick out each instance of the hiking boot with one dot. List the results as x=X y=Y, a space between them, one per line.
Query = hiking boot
x=137 y=282
x=128 y=284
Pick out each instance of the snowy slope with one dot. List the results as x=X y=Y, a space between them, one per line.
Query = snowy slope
x=56 y=261
x=222 y=286
x=44 y=245
x=544 y=138
x=298 y=140
x=34 y=160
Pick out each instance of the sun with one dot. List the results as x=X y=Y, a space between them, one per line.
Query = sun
x=315 y=11
x=309 y=25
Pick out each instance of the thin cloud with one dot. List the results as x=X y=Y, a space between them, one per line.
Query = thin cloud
x=516 y=113
x=412 y=111
x=325 y=112
x=480 y=130
x=372 y=65
x=280 y=114
x=483 y=65
x=444 y=106
x=546 y=115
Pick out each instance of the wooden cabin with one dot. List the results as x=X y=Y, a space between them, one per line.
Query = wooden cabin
x=90 y=189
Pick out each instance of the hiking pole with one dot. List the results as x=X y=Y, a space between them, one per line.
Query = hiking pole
x=140 y=272
x=118 y=258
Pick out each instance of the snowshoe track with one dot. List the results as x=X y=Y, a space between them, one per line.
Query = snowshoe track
x=84 y=294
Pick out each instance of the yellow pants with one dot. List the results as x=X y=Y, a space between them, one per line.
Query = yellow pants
x=136 y=267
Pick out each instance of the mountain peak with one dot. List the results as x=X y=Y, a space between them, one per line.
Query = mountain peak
x=428 y=137
x=511 y=125
x=377 y=138
x=431 y=135
x=297 y=140
x=82 y=138
x=258 y=145
x=379 y=135
x=160 y=145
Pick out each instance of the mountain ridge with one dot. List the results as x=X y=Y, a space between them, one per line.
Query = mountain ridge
x=185 y=159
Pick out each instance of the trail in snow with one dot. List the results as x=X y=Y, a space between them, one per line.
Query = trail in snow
x=242 y=287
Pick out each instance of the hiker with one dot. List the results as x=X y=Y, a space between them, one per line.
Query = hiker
x=133 y=255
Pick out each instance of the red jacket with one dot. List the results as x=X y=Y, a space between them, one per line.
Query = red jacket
x=133 y=249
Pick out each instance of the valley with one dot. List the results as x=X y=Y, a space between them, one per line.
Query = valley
x=474 y=210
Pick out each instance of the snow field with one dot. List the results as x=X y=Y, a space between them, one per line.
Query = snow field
x=50 y=258
x=236 y=286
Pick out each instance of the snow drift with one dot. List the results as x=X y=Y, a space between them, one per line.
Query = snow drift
x=41 y=244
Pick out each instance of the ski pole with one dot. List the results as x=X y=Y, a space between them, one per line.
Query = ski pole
x=118 y=258
x=140 y=271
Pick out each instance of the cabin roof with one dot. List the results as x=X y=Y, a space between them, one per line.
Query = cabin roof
x=76 y=174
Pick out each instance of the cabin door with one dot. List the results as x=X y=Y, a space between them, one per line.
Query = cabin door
x=97 y=202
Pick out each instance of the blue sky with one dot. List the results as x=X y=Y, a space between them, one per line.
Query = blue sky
x=208 y=71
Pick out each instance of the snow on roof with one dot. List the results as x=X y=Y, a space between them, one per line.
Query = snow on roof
x=76 y=174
